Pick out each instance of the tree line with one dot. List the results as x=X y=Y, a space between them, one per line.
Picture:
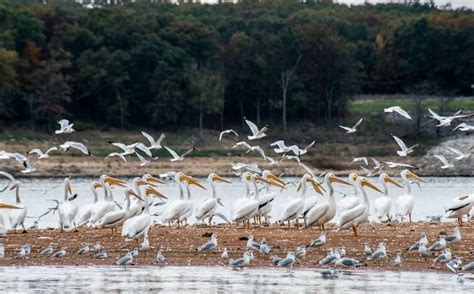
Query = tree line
x=159 y=64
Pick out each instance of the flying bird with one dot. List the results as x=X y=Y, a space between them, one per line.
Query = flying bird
x=75 y=145
x=116 y=154
x=353 y=129
x=460 y=155
x=444 y=121
x=256 y=133
x=64 y=127
x=40 y=153
x=405 y=150
x=154 y=144
x=398 y=110
x=175 y=155
x=363 y=159
x=229 y=131
x=444 y=161
x=463 y=127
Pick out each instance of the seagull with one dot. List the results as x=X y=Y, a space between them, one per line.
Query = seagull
x=424 y=251
x=298 y=152
x=242 y=262
x=83 y=250
x=264 y=248
x=398 y=259
x=125 y=260
x=353 y=129
x=423 y=241
x=240 y=167
x=97 y=247
x=160 y=258
x=444 y=121
x=175 y=155
x=256 y=133
x=455 y=237
x=363 y=159
x=443 y=160
x=463 y=127
x=65 y=127
x=405 y=150
x=460 y=155
x=319 y=242
x=468 y=267
x=379 y=254
x=24 y=161
x=296 y=158
x=276 y=259
x=438 y=245
x=100 y=255
x=132 y=148
x=40 y=153
x=48 y=250
x=454 y=264
x=392 y=164
x=330 y=273
x=367 y=249
x=211 y=244
x=398 y=110
x=252 y=245
x=60 y=253
x=21 y=253
x=300 y=251
x=280 y=146
x=332 y=257
x=444 y=257
x=143 y=161
x=225 y=254
x=347 y=262
x=289 y=261
x=229 y=131
x=119 y=155
x=76 y=145
x=154 y=144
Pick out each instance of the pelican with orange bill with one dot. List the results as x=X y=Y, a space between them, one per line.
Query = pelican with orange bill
x=207 y=207
x=406 y=202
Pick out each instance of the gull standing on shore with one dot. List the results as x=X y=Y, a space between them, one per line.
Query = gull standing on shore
x=423 y=241
x=211 y=244
x=241 y=262
x=438 y=245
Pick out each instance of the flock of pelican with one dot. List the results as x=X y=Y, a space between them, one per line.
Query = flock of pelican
x=302 y=208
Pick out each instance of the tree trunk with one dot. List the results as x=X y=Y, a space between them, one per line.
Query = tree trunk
x=121 y=109
x=32 y=112
x=258 y=110
x=283 y=107
x=201 y=123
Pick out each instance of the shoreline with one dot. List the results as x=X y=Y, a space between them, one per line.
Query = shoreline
x=178 y=245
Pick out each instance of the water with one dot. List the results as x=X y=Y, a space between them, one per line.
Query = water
x=223 y=280
x=431 y=200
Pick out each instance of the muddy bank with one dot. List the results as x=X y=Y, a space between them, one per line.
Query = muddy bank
x=179 y=245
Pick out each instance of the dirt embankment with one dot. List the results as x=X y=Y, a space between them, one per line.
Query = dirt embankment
x=179 y=245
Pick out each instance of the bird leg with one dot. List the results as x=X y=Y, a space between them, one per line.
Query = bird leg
x=297 y=222
x=388 y=217
x=210 y=221
x=289 y=225
x=322 y=228
x=460 y=221
x=409 y=216
x=354 y=228
x=24 y=230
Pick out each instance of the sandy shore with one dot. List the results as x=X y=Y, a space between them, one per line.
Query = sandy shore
x=178 y=245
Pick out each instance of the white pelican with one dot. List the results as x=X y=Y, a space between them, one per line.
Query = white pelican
x=256 y=133
x=108 y=204
x=247 y=207
x=404 y=149
x=398 y=110
x=360 y=213
x=383 y=203
x=265 y=200
x=208 y=206
x=406 y=201
x=348 y=202
x=16 y=216
x=116 y=218
x=323 y=213
x=154 y=144
x=245 y=177
x=76 y=145
x=175 y=155
x=138 y=225
x=229 y=131
x=40 y=153
x=189 y=205
x=174 y=210
x=85 y=212
x=136 y=207
x=3 y=228
x=444 y=121
x=67 y=210
x=295 y=206
x=459 y=207
x=65 y=127
x=353 y=129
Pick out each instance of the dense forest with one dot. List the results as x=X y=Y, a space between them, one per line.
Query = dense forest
x=195 y=65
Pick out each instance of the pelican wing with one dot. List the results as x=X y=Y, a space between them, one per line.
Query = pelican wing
x=112 y=217
x=315 y=213
x=349 y=215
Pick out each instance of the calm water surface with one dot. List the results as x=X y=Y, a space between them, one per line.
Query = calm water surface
x=430 y=200
x=218 y=279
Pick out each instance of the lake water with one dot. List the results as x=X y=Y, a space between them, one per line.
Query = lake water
x=222 y=280
x=430 y=200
